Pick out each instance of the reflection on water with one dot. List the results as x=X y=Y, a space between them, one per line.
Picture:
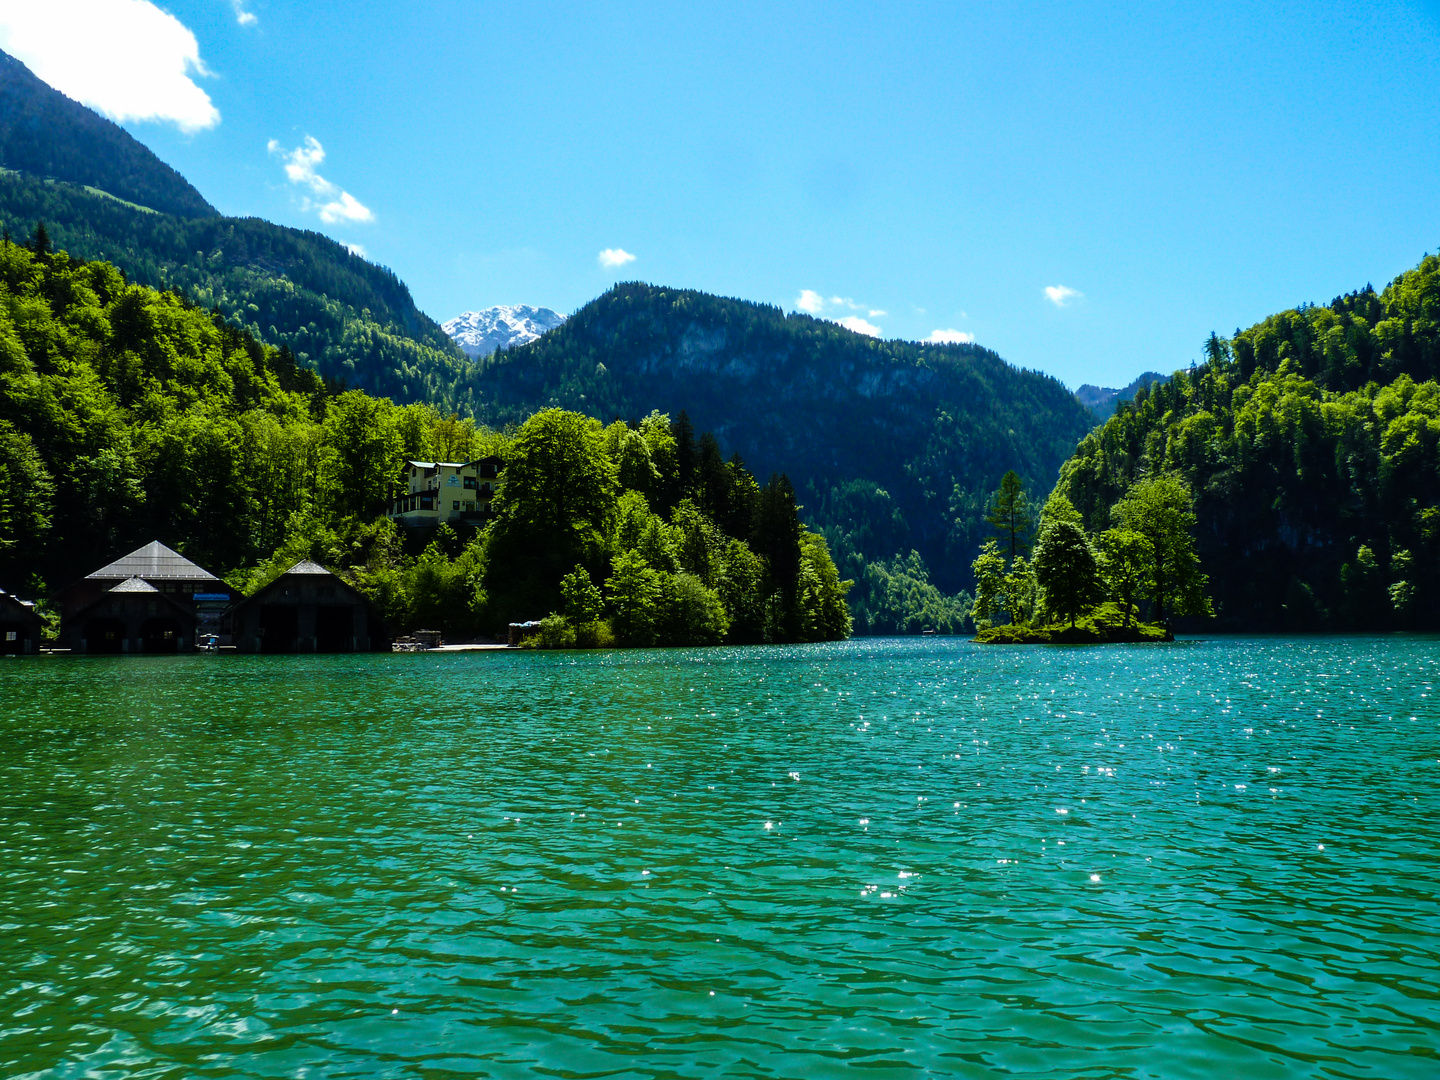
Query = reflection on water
x=888 y=857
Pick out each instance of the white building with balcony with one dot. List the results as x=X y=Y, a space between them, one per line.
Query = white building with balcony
x=447 y=492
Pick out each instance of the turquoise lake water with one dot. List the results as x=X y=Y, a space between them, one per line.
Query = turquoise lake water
x=880 y=858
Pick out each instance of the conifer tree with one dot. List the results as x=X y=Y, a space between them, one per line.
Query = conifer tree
x=1009 y=513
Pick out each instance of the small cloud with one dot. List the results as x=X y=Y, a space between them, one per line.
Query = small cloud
x=330 y=202
x=949 y=337
x=613 y=257
x=357 y=249
x=127 y=58
x=859 y=325
x=1060 y=295
x=243 y=17
x=814 y=303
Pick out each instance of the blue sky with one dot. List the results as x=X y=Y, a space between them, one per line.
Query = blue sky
x=1162 y=170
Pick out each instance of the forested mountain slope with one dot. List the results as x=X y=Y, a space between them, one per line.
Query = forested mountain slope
x=44 y=133
x=347 y=318
x=102 y=195
x=892 y=446
x=1310 y=443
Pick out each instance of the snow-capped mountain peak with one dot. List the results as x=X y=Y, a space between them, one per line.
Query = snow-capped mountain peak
x=480 y=333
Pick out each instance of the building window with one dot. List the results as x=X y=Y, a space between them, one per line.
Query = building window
x=470 y=483
x=457 y=504
x=11 y=635
x=469 y=506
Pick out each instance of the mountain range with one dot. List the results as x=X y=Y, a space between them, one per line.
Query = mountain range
x=480 y=333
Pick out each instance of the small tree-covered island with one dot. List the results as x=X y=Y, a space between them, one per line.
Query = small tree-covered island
x=1079 y=588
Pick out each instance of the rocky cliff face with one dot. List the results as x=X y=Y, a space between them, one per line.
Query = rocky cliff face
x=480 y=333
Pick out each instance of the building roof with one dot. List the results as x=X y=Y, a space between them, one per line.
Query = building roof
x=154 y=561
x=135 y=585
x=305 y=566
x=11 y=598
x=454 y=464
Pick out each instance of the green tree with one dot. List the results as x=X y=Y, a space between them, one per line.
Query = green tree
x=359 y=455
x=741 y=586
x=635 y=593
x=821 y=593
x=689 y=612
x=1127 y=559
x=1009 y=513
x=1159 y=508
x=583 y=601
x=989 y=570
x=1066 y=568
x=1018 y=591
x=557 y=508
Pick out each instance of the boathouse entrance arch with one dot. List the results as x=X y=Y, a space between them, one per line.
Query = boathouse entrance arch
x=161 y=635
x=279 y=628
x=105 y=636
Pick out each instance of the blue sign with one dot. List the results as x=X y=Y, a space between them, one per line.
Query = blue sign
x=212 y=597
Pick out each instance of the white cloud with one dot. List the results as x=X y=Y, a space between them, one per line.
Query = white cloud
x=810 y=301
x=357 y=249
x=876 y=313
x=859 y=325
x=1060 y=295
x=126 y=58
x=330 y=202
x=613 y=257
x=243 y=17
x=949 y=337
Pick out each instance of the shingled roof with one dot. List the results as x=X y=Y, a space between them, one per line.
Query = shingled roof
x=153 y=562
x=305 y=566
x=134 y=585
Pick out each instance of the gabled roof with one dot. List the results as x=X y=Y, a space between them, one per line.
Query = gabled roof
x=135 y=585
x=154 y=561
x=305 y=566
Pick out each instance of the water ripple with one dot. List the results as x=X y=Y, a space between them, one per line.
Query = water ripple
x=895 y=857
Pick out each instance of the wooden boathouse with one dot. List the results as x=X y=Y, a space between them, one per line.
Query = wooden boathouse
x=307 y=609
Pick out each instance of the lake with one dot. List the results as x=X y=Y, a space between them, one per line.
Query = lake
x=884 y=857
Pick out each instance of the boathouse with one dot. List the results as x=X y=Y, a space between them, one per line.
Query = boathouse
x=307 y=609
x=173 y=576
x=19 y=626
x=131 y=617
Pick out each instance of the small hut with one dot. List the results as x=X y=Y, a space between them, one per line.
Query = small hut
x=19 y=626
x=307 y=609
x=132 y=617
